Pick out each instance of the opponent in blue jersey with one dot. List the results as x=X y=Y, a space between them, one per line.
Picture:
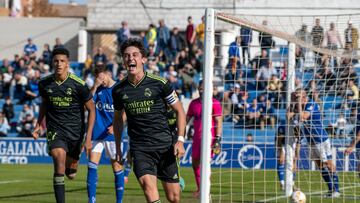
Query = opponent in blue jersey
x=103 y=134
x=318 y=141
x=355 y=142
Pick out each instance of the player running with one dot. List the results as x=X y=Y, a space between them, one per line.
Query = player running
x=143 y=98
x=195 y=111
x=64 y=96
x=318 y=141
x=103 y=134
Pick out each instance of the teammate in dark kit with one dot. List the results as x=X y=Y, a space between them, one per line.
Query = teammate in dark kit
x=143 y=98
x=64 y=96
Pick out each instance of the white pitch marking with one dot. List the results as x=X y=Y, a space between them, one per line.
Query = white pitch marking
x=311 y=193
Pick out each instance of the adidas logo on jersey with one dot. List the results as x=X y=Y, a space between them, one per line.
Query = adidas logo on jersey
x=175 y=176
x=125 y=97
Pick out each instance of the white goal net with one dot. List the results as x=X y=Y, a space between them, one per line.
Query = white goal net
x=282 y=80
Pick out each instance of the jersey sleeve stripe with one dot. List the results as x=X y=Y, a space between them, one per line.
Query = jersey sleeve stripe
x=172 y=98
x=77 y=79
x=155 y=77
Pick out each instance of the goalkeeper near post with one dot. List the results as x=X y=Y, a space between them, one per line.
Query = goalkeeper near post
x=143 y=98
x=195 y=111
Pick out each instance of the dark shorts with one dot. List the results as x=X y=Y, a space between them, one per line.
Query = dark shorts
x=72 y=147
x=161 y=164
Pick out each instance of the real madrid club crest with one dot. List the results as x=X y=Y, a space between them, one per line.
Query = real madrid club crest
x=68 y=91
x=147 y=92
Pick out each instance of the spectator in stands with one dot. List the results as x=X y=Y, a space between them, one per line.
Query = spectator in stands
x=26 y=121
x=265 y=40
x=144 y=40
x=264 y=75
x=239 y=101
x=30 y=49
x=8 y=109
x=174 y=82
x=4 y=125
x=100 y=57
x=123 y=33
x=46 y=55
x=249 y=137
x=181 y=60
x=1 y=85
x=189 y=32
x=267 y=115
x=187 y=76
x=177 y=43
x=8 y=77
x=298 y=83
x=32 y=90
x=246 y=39
x=162 y=39
x=332 y=40
x=29 y=71
x=58 y=43
x=259 y=61
x=253 y=115
x=274 y=89
x=199 y=34
x=234 y=77
x=151 y=35
x=352 y=93
x=19 y=85
x=45 y=71
x=340 y=126
x=303 y=35
x=351 y=36
x=317 y=34
x=4 y=66
x=325 y=76
x=15 y=62
x=152 y=67
x=234 y=53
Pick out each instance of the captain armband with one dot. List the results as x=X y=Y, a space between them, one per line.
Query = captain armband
x=172 y=98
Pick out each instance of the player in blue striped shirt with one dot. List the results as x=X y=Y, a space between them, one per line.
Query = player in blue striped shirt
x=103 y=134
x=319 y=144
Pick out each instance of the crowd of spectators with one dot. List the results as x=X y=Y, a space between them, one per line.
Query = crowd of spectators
x=253 y=90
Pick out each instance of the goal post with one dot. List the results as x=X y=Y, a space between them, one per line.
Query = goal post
x=250 y=166
x=207 y=101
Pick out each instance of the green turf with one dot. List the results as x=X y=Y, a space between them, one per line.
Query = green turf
x=35 y=185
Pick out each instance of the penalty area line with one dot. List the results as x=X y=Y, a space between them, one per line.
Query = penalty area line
x=310 y=193
x=10 y=181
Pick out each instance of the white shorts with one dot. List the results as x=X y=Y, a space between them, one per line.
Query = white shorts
x=320 y=151
x=98 y=146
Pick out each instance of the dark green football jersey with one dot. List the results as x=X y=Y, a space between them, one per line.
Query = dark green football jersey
x=145 y=105
x=65 y=105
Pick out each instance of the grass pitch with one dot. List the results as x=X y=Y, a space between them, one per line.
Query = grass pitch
x=33 y=183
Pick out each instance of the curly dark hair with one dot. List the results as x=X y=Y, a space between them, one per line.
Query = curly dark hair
x=133 y=42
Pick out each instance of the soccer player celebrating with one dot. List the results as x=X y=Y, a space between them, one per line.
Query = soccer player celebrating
x=103 y=134
x=64 y=96
x=194 y=111
x=143 y=98
x=318 y=141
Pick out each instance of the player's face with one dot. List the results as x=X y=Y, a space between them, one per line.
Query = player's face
x=61 y=64
x=134 y=61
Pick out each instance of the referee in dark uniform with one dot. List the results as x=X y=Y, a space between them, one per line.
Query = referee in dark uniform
x=64 y=96
x=144 y=97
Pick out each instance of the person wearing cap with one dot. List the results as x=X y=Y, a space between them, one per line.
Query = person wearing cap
x=64 y=96
x=351 y=36
x=30 y=49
